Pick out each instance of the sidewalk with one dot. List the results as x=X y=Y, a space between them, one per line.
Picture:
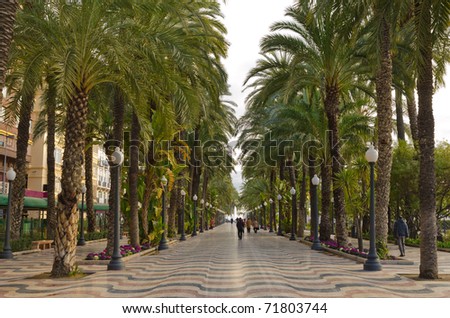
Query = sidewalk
x=217 y=264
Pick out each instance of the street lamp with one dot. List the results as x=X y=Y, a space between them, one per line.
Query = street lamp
x=271 y=215
x=206 y=215
x=116 y=262
x=316 y=243
x=372 y=263
x=260 y=216
x=183 y=196
x=81 y=241
x=7 y=252
x=280 y=233
x=163 y=243
x=292 y=238
x=264 y=211
x=202 y=202
x=194 y=231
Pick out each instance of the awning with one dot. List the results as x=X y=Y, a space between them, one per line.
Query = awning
x=31 y=203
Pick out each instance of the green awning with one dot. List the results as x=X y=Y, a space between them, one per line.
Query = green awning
x=31 y=203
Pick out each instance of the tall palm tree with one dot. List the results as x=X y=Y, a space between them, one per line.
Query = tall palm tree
x=324 y=58
x=431 y=26
x=8 y=10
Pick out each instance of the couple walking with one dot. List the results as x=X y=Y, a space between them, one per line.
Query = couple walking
x=241 y=224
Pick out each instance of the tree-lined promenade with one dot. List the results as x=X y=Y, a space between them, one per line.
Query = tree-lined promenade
x=320 y=93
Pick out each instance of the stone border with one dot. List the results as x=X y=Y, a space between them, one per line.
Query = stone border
x=359 y=259
x=150 y=251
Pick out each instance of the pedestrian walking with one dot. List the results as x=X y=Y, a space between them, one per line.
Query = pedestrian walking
x=240 y=227
x=255 y=226
x=249 y=224
x=401 y=232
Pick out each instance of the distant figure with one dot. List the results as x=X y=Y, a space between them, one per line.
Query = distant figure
x=240 y=227
x=249 y=224
x=401 y=232
x=232 y=220
x=255 y=226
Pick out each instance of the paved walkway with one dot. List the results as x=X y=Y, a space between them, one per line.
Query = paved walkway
x=217 y=264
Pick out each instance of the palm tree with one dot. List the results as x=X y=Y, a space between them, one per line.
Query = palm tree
x=431 y=26
x=8 y=10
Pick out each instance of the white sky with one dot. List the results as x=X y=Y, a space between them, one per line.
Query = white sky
x=247 y=21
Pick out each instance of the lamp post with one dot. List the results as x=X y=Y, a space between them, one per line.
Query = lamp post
x=292 y=238
x=81 y=240
x=194 y=231
x=202 y=202
x=332 y=215
x=183 y=196
x=7 y=252
x=116 y=262
x=264 y=211
x=372 y=263
x=271 y=215
x=206 y=215
x=163 y=243
x=260 y=215
x=316 y=243
x=279 y=233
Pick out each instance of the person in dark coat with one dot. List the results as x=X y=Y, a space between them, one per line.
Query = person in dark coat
x=401 y=232
x=240 y=226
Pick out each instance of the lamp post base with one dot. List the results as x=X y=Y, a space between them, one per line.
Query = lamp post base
x=6 y=254
x=183 y=237
x=372 y=264
x=292 y=238
x=194 y=234
x=116 y=264
x=279 y=233
x=81 y=242
x=271 y=230
x=316 y=246
x=163 y=244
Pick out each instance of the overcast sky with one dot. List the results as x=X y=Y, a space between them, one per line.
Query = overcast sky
x=247 y=21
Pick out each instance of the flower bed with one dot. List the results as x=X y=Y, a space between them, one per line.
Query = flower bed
x=125 y=250
x=349 y=249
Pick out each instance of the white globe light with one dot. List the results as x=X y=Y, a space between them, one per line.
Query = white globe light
x=195 y=198
x=11 y=174
x=279 y=197
x=164 y=180
x=371 y=154
x=182 y=192
x=270 y=201
x=293 y=191
x=83 y=189
x=315 y=180
x=117 y=156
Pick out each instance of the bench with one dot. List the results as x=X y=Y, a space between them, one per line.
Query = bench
x=42 y=244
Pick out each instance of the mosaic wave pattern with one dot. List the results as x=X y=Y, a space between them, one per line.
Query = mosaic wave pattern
x=217 y=264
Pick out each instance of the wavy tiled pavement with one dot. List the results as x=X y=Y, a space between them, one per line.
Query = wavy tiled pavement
x=217 y=264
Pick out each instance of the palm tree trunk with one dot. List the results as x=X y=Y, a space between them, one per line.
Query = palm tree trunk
x=88 y=166
x=8 y=9
x=425 y=120
x=325 y=224
x=331 y=109
x=133 y=174
x=399 y=114
x=51 y=178
x=149 y=187
x=412 y=114
x=67 y=210
x=384 y=128
x=302 y=204
x=118 y=117
x=18 y=191
x=292 y=181
x=173 y=208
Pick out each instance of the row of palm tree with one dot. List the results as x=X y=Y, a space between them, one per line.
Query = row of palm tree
x=148 y=70
x=325 y=81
